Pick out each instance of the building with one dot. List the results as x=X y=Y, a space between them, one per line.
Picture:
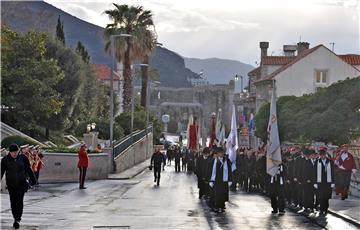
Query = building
x=103 y=73
x=302 y=70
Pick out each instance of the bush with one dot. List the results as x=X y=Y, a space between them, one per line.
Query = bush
x=19 y=140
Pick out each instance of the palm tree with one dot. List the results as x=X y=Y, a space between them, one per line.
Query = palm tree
x=129 y=20
x=143 y=47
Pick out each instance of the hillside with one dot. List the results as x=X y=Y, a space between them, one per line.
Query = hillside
x=41 y=16
x=220 y=71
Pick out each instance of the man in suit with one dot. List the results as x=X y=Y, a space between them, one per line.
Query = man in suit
x=324 y=181
x=221 y=179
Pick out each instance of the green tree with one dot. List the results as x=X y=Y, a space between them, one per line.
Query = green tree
x=126 y=19
x=81 y=50
x=60 y=35
x=329 y=115
x=29 y=81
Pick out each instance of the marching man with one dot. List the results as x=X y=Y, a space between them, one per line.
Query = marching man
x=346 y=164
x=324 y=181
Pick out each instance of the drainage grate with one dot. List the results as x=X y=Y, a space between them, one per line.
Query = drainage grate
x=111 y=227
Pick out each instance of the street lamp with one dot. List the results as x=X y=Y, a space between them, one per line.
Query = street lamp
x=112 y=37
x=237 y=78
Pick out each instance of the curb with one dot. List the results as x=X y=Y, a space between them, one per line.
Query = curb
x=345 y=217
x=129 y=177
x=332 y=212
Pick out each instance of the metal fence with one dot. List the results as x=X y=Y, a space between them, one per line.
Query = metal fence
x=127 y=141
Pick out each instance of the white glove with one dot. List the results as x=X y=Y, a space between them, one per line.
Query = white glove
x=354 y=170
x=315 y=186
x=336 y=162
x=211 y=184
x=229 y=183
x=341 y=167
x=332 y=185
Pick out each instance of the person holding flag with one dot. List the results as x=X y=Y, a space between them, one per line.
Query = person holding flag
x=274 y=166
x=232 y=144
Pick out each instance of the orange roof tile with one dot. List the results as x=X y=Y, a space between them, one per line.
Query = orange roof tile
x=277 y=60
x=293 y=61
x=352 y=59
x=103 y=72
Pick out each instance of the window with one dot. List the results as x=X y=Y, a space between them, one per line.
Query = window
x=321 y=76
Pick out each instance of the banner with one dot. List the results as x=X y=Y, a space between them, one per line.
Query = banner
x=273 y=152
x=232 y=141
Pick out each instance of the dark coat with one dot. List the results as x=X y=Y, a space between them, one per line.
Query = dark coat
x=16 y=171
x=157 y=159
x=309 y=172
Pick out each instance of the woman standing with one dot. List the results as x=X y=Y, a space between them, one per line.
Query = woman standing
x=83 y=163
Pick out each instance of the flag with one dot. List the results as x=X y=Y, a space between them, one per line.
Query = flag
x=191 y=120
x=220 y=130
x=273 y=152
x=193 y=134
x=213 y=133
x=232 y=141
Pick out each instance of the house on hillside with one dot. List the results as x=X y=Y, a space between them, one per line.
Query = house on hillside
x=103 y=73
x=302 y=70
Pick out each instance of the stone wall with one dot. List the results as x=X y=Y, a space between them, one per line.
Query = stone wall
x=62 y=167
x=135 y=154
x=199 y=100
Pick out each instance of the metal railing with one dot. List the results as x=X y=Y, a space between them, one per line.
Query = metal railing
x=130 y=139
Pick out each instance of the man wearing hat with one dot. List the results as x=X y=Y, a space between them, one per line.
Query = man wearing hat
x=16 y=168
x=346 y=165
x=309 y=176
x=221 y=179
x=201 y=168
x=324 y=180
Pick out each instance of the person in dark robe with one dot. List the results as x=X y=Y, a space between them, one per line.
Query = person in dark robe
x=177 y=156
x=324 y=181
x=221 y=179
x=277 y=190
x=201 y=165
x=309 y=176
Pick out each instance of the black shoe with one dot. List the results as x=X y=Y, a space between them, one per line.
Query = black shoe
x=274 y=211
x=16 y=225
x=83 y=188
x=155 y=179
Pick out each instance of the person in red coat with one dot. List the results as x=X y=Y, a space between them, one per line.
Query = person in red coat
x=346 y=165
x=83 y=164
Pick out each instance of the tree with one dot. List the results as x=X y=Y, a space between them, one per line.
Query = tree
x=145 y=43
x=29 y=79
x=126 y=19
x=329 y=115
x=81 y=50
x=60 y=35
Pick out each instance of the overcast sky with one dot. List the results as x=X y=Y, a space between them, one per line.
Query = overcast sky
x=232 y=29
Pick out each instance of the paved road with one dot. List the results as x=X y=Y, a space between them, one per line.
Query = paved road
x=139 y=204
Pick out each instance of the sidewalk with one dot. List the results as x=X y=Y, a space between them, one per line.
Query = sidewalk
x=131 y=172
x=348 y=209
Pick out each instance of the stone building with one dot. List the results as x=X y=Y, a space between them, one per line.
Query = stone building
x=200 y=101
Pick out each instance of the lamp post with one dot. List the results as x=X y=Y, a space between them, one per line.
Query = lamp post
x=111 y=118
x=237 y=78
